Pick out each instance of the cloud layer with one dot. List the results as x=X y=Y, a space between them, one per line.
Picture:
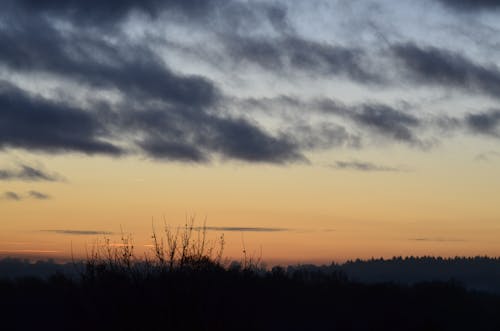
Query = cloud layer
x=196 y=81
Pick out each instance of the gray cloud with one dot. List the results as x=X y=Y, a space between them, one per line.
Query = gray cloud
x=242 y=140
x=38 y=195
x=194 y=135
x=35 y=123
x=172 y=133
x=168 y=149
x=292 y=53
x=323 y=136
x=384 y=120
x=174 y=116
x=11 y=196
x=98 y=13
x=29 y=173
x=148 y=74
x=470 y=5
x=91 y=60
x=208 y=228
x=364 y=166
x=486 y=123
x=31 y=194
x=79 y=232
x=432 y=65
x=389 y=122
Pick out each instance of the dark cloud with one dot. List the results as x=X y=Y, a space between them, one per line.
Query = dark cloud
x=241 y=140
x=194 y=135
x=38 y=195
x=420 y=65
x=323 y=136
x=486 y=123
x=364 y=166
x=392 y=123
x=401 y=126
x=307 y=135
x=329 y=59
x=161 y=148
x=11 y=196
x=292 y=53
x=467 y=5
x=108 y=12
x=93 y=61
x=171 y=116
x=137 y=70
x=389 y=122
x=172 y=133
x=174 y=136
x=34 y=123
x=432 y=65
x=28 y=173
x=79 y=232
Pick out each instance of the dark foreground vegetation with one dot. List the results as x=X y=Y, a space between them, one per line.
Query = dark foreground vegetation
x=185 y=286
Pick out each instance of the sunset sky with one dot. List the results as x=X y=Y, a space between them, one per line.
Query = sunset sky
x=305 y=131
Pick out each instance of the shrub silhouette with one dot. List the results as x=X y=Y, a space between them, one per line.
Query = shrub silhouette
x=186 y=249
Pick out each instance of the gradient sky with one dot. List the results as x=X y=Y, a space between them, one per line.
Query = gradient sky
x=309 y=130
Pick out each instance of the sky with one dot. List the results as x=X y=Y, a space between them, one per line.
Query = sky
x=304 y=131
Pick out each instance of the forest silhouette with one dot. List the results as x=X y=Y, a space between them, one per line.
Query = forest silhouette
x=187 y=285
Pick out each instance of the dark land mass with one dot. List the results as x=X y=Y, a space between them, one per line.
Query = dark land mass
x=203 y=295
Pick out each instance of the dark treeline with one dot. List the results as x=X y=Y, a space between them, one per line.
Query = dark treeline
x=479 y=273
x=185 y=285
x=474 y=273
x=202 y=294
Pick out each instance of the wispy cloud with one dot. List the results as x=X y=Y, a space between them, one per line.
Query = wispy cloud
x=364 y=166
x=26 y=172
x=79 y=232
x=38 y=195
x=11 y=196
